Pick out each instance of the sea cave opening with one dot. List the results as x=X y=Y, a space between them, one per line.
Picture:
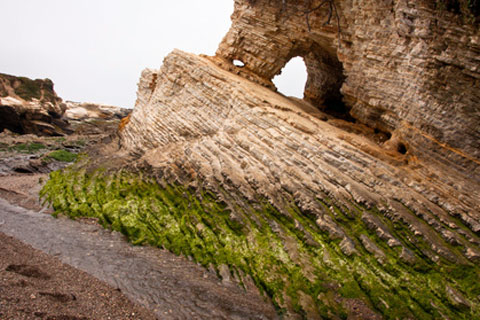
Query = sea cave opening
x=292 y=79
x=316 y=76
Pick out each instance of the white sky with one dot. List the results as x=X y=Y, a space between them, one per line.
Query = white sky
x=95 y=50
x=291 y=81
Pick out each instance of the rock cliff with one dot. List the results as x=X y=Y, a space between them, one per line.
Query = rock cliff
x=30 y=106
x=40 y=133
x=360 y=200
x=403 y=67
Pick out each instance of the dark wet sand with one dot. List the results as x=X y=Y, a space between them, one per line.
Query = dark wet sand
x=34 y=285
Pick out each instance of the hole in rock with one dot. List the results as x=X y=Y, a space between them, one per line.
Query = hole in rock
x=381 y=136
x=22 y=170
x=238 y=63
x=453 y=6
x=292 y=79
x=401 y=148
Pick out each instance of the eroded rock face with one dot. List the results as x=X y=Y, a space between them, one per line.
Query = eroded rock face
x=30 y=106
x=330 y=218
x=403 y=67
x=77 y=111
x=256 y=142
x=200 y=125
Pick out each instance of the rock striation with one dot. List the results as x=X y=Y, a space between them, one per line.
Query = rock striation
x=360 y=200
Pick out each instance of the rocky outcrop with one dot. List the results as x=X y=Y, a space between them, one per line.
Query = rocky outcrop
x=93 y=118
x=40 y=133
x=374 y=217
x=30 y=106
x=77 y=111
x=403 y=67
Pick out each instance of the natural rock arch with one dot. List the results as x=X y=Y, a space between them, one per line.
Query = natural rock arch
x=266 y=56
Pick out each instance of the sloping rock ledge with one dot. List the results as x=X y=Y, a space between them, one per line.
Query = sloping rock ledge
x=270 y=191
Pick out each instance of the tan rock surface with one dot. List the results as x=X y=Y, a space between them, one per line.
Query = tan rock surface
x=201 y=123
x=198 y=124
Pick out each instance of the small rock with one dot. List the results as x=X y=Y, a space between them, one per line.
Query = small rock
x=456 y=298
x=348 y=246
x=327 y=224
x=450 y=237
x=224 y=272
x=472 y=254
x=371 y=247
x=408 y=256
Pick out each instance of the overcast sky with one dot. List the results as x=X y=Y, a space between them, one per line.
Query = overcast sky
x=95 y=50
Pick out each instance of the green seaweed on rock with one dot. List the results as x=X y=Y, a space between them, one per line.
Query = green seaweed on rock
x=259 y=242
x=62 y=155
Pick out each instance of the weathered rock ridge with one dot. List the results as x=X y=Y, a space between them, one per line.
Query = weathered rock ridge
x=376 y=217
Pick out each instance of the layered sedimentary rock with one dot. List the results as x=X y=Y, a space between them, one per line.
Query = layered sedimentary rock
x=370 y=218
x=30 y=106
x=404 y=67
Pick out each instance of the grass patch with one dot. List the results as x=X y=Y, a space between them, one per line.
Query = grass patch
x=31 y=147
x=62 y=155
x=29 y=89
x=80 y=142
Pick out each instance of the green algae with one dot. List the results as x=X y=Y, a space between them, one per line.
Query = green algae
x=62 y=155
x=259 y=242
x=28 y=147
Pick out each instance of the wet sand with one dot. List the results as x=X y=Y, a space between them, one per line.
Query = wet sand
x=34 y=285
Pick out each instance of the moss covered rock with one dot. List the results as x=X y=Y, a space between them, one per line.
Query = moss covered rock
x=285 y=253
